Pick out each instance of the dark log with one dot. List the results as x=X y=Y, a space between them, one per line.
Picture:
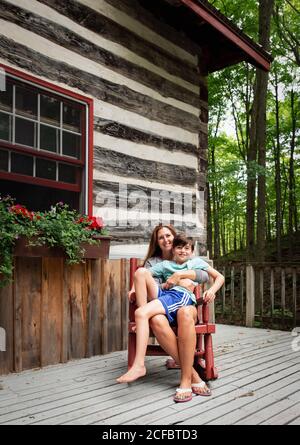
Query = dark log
x=124 y=132
x=203 y=140
x=134 y=9
x=109 y=29
x=142 y=233
x=129 y=166
x=204 y=114
x=72 y=41
x=118 y=95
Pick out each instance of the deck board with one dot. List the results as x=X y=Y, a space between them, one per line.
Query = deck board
x=259 y=383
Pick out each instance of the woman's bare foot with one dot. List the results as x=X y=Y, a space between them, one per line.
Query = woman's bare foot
x=133 y=374
x=201 y=389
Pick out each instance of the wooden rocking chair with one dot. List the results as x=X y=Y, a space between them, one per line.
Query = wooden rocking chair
x=204 y=357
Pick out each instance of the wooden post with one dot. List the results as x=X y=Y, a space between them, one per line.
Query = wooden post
x=232 y=290
x=211 y=306
x=211 y=312
x=224 y=292
x=242 y=291
x=282 y=293
x=295 y=297
x=250 y=296
x=261 y=292
x=272 y=293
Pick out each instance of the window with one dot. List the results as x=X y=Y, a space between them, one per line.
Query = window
x=43 y=138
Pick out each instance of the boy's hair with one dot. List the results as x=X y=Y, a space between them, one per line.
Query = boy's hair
x=182 y=240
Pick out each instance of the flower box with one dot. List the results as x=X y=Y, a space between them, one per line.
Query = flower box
x=92 y=251
x=61 y=232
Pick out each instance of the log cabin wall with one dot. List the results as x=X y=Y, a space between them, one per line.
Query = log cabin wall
x=150 y=103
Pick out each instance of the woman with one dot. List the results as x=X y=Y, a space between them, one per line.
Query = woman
x=181 y=348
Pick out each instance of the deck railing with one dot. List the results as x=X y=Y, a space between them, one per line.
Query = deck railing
x=259 y=294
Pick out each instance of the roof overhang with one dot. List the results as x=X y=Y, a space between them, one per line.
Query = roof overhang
x=222 y=43
x=248 y=49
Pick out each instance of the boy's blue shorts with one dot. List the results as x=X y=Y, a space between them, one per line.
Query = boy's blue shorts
x=172 y=300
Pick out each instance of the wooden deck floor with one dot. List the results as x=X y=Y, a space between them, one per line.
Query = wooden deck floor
x=259 y=383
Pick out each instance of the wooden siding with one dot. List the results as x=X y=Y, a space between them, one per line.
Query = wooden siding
x=54 y=312
x=150 y=100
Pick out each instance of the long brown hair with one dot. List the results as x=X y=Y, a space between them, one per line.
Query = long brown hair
x=154 y=250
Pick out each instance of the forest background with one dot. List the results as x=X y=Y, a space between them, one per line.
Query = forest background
x=254 y=140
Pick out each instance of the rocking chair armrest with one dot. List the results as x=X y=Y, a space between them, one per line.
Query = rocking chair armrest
x=200 y=301
x=132 y=298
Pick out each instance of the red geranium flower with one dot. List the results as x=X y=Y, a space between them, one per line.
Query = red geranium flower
x=22 y=211
x=92 y=222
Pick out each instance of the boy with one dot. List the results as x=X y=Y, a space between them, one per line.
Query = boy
x=168 y=300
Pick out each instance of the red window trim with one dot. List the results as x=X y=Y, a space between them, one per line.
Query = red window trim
x=42 y=153
x=90 y=131
x=39 y=181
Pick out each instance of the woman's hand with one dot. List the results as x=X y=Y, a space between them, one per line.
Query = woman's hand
x=172 y=281
x=209 y=296
x=131 y=296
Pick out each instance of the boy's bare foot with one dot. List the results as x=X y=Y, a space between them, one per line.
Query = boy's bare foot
x=133 y=374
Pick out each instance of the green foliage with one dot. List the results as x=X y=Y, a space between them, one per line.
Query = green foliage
x=230 y=101
x=58 y=227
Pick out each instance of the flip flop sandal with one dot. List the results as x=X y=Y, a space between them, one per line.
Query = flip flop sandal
x=181 y=391
x=201 y=385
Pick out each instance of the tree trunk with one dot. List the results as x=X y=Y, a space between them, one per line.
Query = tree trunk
x=209 y=222
x=215 y=208
x=215 y=229
x=251 y=181
x=235 y=233
x=241 y=234
x=269 y=226
x=292 y=197
x=221 y=226
x=265 y=13
x=277 y=176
